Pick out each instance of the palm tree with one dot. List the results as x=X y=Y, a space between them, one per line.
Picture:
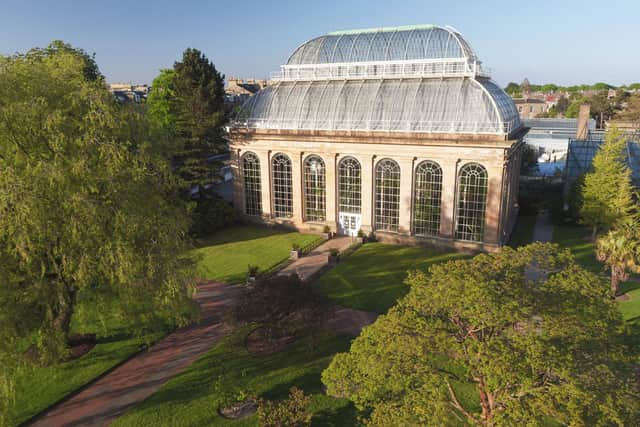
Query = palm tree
x=620 y=250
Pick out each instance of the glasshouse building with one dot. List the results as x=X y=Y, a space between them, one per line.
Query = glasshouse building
x=396 y=131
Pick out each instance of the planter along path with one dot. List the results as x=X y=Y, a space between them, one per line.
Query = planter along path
x=129 y=384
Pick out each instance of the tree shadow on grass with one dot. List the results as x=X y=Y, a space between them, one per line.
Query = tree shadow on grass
x=240 y=233
x=629 y=286
x=338 y=417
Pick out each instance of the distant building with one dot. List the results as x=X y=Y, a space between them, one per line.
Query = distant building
x=530 y=108
x=127 y=92
x=239 y=90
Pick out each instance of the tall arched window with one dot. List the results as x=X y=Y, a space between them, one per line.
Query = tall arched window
x=349 y=186
x=282 y=186
x=472 y=202
x=387 y=195
x=252 y=190
x=314 y=189
x=426 y=199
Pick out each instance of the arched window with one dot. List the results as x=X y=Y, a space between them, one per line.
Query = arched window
x=472 y=202
x=426 y=199
x=314 y=189
x=282 y=186
x=349 y=186
x=252 y=190
x=387 y=195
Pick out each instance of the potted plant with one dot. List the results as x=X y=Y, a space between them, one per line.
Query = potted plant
x=295 y=251
x=334 y=256
x=362 y=236
x=252 y=273
x=326 y=232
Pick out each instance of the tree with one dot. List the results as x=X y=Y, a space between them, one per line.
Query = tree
x=631 y=112
x=512 y=88
x=529 y=160
x=189 y=102
x=293 y=412
x=574 y=108
x=160 y=101
x=562 y=104
x=520 y=337
x=620 y=250
x=282 y=302
x=607 y=192
x=85 y=205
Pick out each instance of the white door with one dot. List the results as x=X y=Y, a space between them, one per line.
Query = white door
x=349 y=224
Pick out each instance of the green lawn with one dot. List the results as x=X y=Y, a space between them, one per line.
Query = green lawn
x=193 y=397
x=225 y=255
x=578 y=239
x=372 y=278
x=523 y=231
x=37 y=388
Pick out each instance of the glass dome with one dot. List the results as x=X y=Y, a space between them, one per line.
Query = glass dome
x=404 y=79
x=384 y=44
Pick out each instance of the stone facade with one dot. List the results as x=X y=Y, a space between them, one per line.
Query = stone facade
x=396 y=131
x=530 y=108
x=500 y=156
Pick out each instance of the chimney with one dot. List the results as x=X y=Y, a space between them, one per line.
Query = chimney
x=583 y=122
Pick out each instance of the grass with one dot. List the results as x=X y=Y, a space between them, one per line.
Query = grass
x=372 y=278
x=193 y=397
x=523 y=232
x=39 y=387
x=578 y=239
x=225 y=255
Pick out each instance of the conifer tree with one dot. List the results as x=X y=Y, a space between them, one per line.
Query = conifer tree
x=189 y=101
x=607 y=192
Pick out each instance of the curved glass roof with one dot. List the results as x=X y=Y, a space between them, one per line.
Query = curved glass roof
x=384 y=44
x=414 y=79
x=417 y=105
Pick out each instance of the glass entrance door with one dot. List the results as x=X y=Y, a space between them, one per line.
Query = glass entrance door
x=349 y=224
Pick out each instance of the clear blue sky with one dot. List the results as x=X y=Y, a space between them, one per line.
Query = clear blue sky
x=562 y=41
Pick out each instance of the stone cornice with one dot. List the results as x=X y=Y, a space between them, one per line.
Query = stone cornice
x=242 y=135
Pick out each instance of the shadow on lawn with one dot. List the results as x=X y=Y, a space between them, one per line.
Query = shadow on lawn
x=240 y=233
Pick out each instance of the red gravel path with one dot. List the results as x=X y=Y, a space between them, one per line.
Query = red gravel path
x=108 y=398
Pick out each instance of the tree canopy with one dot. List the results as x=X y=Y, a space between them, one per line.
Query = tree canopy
x=521 y=337
x=85 y=204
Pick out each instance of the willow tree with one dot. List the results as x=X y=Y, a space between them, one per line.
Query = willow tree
x=85 y=205
x=522 y=337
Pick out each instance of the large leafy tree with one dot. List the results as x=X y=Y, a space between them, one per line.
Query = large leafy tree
x=631 y=111
x=189 y=101
x=522 y=337
x=85 y=204
x=619 y=249
x=607 y=193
